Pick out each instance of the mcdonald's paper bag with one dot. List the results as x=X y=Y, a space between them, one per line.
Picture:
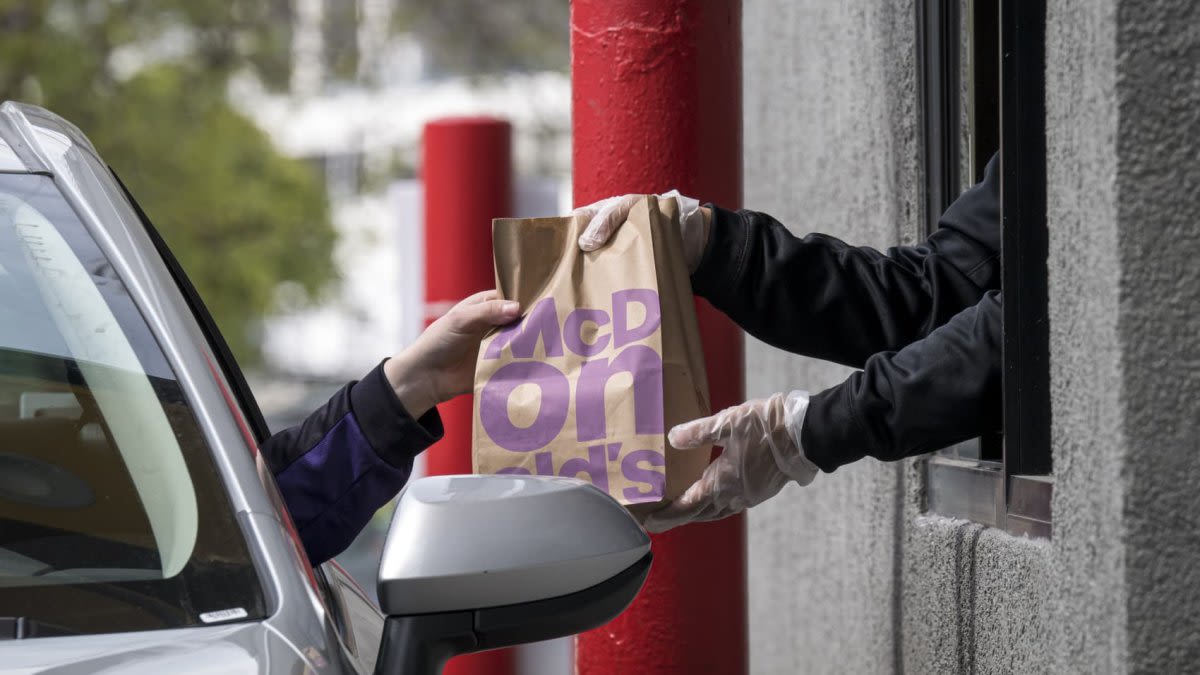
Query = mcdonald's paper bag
x=605 y=359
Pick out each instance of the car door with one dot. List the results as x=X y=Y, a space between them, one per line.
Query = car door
x=355 y=617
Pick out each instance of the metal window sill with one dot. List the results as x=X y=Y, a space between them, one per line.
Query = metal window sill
x=974 y=490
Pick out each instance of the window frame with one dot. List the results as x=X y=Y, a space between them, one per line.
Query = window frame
x=1009 y=487
x=938 y=72
x=1025 y=240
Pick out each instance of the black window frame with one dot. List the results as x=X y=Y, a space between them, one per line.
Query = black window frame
x=1005 y=482
x=1025 y=238
x=938 y=73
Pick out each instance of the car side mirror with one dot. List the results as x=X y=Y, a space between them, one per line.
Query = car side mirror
x=473 y=563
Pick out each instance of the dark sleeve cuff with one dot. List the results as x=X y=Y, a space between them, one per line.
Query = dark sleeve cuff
x=396 y=437
x=832 y=434
x=724 y=261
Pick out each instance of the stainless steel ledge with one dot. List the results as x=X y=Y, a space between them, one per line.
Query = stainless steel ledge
x=974 y=490
x=968 y=489
x=1029 y=505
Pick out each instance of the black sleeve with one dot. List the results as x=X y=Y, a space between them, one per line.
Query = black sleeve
x=933 y=393
x=346 y=460
x=370 y=405
x=821 y=297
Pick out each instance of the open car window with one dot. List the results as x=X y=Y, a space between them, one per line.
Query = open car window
x=112 y=514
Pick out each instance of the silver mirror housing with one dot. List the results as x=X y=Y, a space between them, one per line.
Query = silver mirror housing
x=470 y=542
x=473 y=563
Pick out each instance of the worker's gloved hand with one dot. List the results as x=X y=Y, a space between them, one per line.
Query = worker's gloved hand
x=440 y=364
x=606 y=215
x=762 y=454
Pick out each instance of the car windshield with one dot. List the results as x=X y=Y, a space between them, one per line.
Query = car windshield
x=112 y=514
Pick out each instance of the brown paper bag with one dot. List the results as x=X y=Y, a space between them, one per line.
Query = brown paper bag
x=604 y=361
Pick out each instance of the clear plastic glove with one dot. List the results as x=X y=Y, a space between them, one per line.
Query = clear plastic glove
x=762 y=454
x=440 y=364
x=606 y=215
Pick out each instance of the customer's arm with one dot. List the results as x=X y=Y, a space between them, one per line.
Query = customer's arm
x=352 y=455
x=346 y=460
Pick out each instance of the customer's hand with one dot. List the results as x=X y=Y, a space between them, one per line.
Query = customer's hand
x=440 y=364
x=606 y=215
x=762 y=454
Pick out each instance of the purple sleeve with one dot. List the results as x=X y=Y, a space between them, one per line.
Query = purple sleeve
x=346 y=460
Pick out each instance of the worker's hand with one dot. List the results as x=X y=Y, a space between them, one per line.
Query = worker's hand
x=606 y=215
x=440 y=364
x=762 y=454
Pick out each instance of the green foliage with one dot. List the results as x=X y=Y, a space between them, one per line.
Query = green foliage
x=240 y=217
x=146 y=80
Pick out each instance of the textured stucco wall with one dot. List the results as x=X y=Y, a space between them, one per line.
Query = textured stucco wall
x=848 y=575
x=1158 y=214
x=973 y=599
x=831 y=146
x=1086 y=632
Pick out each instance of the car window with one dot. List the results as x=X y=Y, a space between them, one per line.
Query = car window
x=112 y=514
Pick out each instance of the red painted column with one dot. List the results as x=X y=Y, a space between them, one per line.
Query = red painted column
x=657 y=100
x=466 y=168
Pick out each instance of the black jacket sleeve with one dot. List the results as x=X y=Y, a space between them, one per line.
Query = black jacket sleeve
x=935 y=392
x=820 y=297
x=346 y=460
x=923 y=322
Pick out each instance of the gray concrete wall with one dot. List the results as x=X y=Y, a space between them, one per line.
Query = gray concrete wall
x=848 y=575
x=1086 y=631
x=1158 y=330
x=831 y=146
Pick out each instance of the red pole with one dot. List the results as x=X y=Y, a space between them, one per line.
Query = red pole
x=657 y=101
x=467 y=174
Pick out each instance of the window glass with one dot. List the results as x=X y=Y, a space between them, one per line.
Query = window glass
x=112 y=515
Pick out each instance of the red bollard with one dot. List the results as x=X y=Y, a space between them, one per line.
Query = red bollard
x=657 y=96
x=467 y=173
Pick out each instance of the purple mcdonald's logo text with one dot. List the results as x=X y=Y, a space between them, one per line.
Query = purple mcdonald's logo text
x=612 y=333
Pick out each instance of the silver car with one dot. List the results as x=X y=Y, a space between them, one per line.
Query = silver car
x=139 y=529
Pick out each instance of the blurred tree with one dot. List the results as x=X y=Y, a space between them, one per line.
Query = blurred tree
x=146 y=81
x=241 y=217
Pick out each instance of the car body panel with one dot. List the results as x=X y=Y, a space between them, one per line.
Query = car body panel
x=247 y=648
